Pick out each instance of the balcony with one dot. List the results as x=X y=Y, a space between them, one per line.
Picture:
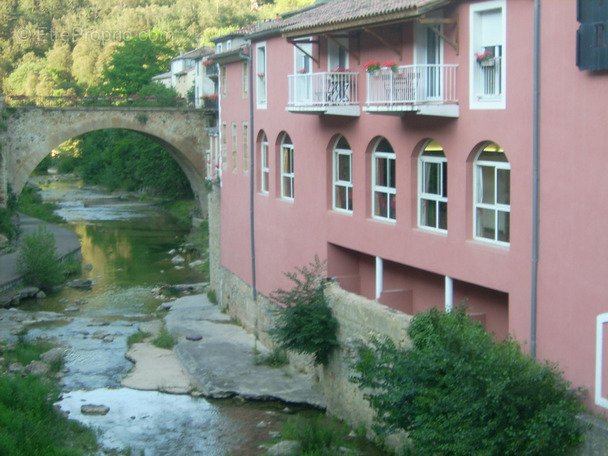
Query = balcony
x=329 y=93
x=423 y=89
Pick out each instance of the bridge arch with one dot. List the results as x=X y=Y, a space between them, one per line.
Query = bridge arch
x=32 y=132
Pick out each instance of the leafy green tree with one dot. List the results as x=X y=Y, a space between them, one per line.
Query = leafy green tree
x=457 y=392
x=304 y=322
x=134 y=63
x=39 y=261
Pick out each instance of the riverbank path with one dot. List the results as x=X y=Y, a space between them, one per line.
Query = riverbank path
x=66 y=242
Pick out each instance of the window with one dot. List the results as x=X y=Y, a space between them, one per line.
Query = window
x=245 y=147
x=302 y=72
x=428 y=56
x=492 y=174
x=219 y=48
x=287 y=174
x=245 y=78
x=337 y=54
x=488 y=61
x=229 y=44
x=223 y=79
x=343 y=176
x=264 y=168
x=224 y=144
x=433 y=187
x=234 y=164
x=384 y=190
x=260 y=69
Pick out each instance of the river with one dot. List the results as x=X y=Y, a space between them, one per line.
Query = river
x=127 y=248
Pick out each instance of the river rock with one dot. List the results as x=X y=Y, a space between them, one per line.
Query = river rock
x=88 y=267
x=53 y=355
x=195 y=263
x=194 y=337
x=40 y=295
x=93 y=409
x=37 y=368
x=285 y=448
x=177 y=259
x=81 y=284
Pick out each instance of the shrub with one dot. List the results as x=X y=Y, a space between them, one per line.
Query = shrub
x=29 y=422
x=304 y=322
x=317 y=435
x=164 y=339
x=39 y=261
x=458 y=392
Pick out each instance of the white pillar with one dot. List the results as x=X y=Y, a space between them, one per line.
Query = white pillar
x=379 y=276
x=449 y=294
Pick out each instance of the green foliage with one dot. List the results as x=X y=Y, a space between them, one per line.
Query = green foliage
x=457 y=392
x=137 y=337
x=317 y=435
x=304 y=322
x=212 y=296
x=30 y=203
x=29 y=422
x=164 y=339
x=135 y=62
x=125 y=160
x=39 y=261
x=276 y=358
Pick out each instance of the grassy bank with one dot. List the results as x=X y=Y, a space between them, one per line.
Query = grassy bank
x=29 y=423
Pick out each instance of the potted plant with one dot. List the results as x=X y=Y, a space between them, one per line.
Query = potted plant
x=372 y=67
x=391 y=65
x=485 y=59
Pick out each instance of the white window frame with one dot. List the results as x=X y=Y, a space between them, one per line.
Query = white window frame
x=437 y=198
x=261 y=75
x=339 y=183
x=245 y=128
x=287 y=176
x=476 y=71
x=600 y=400
x=334 y=51
x=234 y=147
x=245 y=78
x=264 y=168
x=388 y=190
x=497 y=207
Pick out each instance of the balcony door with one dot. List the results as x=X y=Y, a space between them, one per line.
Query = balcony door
x=428 y=60
x=303 y=73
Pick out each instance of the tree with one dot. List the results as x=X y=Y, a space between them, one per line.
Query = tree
x=457 y=392
x=39 y=261
x=133 y=64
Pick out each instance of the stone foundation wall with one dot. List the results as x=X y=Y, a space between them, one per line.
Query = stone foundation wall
x=359 y=319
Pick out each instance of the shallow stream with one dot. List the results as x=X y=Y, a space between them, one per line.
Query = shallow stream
x=127 y=247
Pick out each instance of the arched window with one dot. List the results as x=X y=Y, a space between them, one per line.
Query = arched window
x=287 y=170
x=433 y=187
x=264 y=168
x=342 y=176
x=492 y=194
x=384 y=188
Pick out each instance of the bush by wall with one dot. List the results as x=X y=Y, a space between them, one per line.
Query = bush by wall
x=39 y=261
x=304 y=322
x=458 y=392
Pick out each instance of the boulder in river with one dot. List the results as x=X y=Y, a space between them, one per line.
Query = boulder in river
x=81 y=284
x=93 y=409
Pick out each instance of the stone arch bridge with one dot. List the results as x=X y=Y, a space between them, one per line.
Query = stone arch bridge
x=30 y=133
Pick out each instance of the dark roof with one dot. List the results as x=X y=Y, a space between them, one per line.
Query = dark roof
x=343 y=14
x=195 y=53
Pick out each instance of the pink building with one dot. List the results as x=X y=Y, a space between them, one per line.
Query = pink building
x=416 y=180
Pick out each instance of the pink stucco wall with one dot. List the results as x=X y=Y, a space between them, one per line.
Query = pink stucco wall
x=495 y=282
